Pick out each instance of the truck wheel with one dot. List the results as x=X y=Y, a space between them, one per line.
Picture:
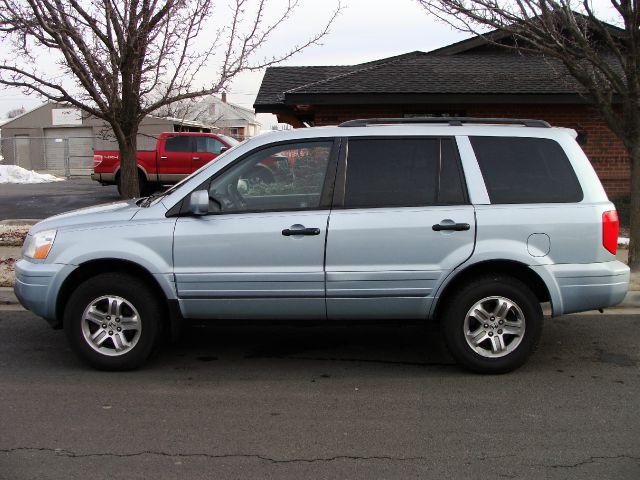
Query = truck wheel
x=113 y=321
x=143 y=184
x=492 y=324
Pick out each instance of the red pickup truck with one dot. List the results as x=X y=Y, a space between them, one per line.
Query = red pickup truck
x=177 y=155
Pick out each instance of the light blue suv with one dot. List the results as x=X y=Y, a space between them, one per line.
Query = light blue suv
x=472 y=222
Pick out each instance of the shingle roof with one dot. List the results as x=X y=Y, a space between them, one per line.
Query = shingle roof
x=500 y=74
x=420 y=73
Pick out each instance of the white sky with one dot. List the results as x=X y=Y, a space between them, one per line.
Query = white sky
x=365 y=30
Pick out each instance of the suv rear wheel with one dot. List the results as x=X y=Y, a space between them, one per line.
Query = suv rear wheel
x=492 y=324
x=113 y=321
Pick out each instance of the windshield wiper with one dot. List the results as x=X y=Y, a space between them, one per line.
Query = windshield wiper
x=147 y=200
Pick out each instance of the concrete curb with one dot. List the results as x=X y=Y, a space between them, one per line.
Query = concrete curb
x=19 y=221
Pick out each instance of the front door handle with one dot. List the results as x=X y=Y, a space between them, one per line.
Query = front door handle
x=458 y=227
x=287 y=232
x=196 y=158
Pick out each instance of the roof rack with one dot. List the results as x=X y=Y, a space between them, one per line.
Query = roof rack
x=453 y=121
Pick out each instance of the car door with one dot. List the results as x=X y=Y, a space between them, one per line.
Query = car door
x=205 y=149
x=260 y=252
x=174 y=162
x=401 y=222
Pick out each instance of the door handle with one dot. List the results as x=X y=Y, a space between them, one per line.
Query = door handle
x=287 y=232
x=163 y=158
x=196 y=158
x=458 y=227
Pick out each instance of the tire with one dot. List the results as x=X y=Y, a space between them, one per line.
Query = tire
x=492 y=324
x=143 y=184
x=105 y=303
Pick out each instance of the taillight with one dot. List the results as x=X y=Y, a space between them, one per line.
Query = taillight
x=610 y=231
x=97 y=160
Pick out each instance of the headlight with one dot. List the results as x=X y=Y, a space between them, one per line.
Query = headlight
x=39 y=245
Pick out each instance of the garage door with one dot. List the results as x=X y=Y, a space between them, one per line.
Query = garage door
x=80 y=149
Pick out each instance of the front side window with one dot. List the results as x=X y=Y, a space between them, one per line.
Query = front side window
x=284 y=177
x=526 y=170
x=208 y=144
x=393 y=172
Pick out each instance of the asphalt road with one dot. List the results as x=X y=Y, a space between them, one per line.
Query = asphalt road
x=323 y=401
x=42 y=200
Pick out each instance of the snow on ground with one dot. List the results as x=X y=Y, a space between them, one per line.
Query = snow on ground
x=16 y=174
x=623 y=242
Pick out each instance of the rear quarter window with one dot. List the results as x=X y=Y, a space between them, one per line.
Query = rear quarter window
x=526 y=170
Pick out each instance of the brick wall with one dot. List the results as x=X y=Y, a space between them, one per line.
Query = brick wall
x=605 y=151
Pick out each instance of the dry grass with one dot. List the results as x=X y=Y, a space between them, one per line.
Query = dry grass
x=7 y=274
x=13 y=235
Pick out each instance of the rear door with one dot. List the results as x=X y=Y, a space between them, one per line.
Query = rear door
x=401 y=221
x=175 y=157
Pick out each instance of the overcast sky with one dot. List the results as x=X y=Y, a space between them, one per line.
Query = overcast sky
x=365 y=30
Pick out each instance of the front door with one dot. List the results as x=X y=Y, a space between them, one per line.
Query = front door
x=404 y=224
x=205 y=149
x=260 y=252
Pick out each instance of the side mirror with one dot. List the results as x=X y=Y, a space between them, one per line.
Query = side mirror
x=199 y=202
x=223 y=149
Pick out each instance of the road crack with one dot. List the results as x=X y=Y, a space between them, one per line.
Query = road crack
x=71 y=454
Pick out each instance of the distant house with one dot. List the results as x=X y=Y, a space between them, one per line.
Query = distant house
x=470 y=78
x=62 y=138
x=233 y=120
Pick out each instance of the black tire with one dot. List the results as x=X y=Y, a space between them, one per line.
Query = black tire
x=454 y=314
x=150 y=312
x=146 y=188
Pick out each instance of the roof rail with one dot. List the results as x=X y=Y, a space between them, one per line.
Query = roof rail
x=453 y=121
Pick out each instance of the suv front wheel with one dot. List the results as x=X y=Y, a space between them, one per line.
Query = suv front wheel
x=113 y=321
x=492 y=324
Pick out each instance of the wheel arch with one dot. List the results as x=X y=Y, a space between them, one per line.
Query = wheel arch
x=511 y=268
x=92 y=268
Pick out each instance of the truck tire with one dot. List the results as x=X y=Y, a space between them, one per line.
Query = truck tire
x=143 y=184
x=113 y=321
x=492 y=324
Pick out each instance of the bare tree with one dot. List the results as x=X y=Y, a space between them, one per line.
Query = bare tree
x=124 y=59
x=16 y=112
x=603 y=58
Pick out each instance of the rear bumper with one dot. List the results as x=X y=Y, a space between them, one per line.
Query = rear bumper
x=591 y=286
x=103 y=177
x=37 y=286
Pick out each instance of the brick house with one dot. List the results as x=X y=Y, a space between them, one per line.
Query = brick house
x=470 y=78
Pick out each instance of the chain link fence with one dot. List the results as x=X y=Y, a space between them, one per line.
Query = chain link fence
x=58 y=155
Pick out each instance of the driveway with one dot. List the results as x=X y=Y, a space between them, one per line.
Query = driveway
x=42 y=200
x=322 y=401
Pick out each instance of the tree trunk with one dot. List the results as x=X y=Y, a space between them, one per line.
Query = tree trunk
x=129 y=176
x=634 y=234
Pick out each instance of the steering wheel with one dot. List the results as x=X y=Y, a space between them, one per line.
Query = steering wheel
x=235 y=197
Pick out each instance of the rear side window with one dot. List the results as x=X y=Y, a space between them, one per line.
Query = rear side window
x=393 y=172
x=526 y=170
x=178 y=144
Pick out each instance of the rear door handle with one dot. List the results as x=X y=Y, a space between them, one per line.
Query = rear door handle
x=287 y=232
x=458 y=227
x=196 y=158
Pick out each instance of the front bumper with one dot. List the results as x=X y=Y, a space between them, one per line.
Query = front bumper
x=37 y=286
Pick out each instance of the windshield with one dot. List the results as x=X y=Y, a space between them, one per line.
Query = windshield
x=230 y=140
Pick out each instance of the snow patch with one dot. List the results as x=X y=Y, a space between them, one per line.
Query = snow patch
x=16 y=174
x=623 y=242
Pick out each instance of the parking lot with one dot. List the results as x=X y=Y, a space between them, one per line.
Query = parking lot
x=42 y=200
x=322 y=401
